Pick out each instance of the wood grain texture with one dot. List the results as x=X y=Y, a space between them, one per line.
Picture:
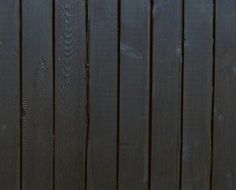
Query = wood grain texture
x=224 y=156
x=70 y=94
x=37 y=94
x=166 y=98
x=103 y=71
x=134 y=95
x=197 y=95
x=9 y=95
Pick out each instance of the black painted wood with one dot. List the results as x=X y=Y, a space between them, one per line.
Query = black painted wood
x=9 y=95
x=118 y=94
x=103 y=75
x=224 y=165
x=37 y=94
x=134 y=94
x=166 y=97
x=70 y=94
x=197 y=94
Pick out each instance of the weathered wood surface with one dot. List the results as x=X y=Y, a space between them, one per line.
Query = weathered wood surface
x=117 y=95
x=103 y=96
x=70 y=94
x=37 y=95
x=166 y=96
x=9 y=95
x=134 y=94
x=197 y=94
x=224 y=155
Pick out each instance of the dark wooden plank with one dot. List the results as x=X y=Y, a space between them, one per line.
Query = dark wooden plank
x=70 y=91
x=166 y=98
x=197 y=94
x=134 y=95
x=224 y=156
x=9 y=96
x=103 y=68
x=37 y=93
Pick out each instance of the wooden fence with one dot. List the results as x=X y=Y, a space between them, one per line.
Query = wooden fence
x=117 y=95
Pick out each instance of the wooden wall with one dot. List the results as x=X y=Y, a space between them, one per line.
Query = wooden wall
x=118 y=95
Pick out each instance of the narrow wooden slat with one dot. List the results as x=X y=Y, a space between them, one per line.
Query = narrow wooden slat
x=224 y=156
x=166 y=102
x=197 y=94
x=9 y=95
x=103 y=73
x=70 y=94
x=37 y=93
x=134 y=95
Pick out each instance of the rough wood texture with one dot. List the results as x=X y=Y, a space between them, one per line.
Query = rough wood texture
x=70 y=94
x=166 y=98
x=37 y=93
x=197 y=95
x=134 y=94
x=117 y=95
x=9 y=95
x=224 y=156
x=103 y=73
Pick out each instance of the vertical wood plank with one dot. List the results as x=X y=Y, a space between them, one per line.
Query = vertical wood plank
x=37 y=93
x=134 y=95
x=197 y=94
x=70 y=94
x=9 y=95
x=224 y=156
x=103 y=68
x=166 y=98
